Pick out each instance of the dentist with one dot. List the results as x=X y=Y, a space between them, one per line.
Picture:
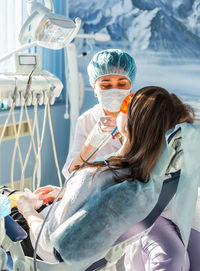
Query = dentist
x=111 y=74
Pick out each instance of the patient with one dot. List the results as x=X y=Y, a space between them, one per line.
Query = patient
x=151 y=113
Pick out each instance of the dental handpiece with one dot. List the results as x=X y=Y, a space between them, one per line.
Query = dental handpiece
x=114 y=134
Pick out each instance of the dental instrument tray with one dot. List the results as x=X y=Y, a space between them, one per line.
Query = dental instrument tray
x=44 y=86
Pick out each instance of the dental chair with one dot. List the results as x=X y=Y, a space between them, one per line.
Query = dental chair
x=4 y=211
x=113 y=259
x=3 y=255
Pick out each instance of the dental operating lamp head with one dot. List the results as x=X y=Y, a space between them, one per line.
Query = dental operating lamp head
x=50 y=30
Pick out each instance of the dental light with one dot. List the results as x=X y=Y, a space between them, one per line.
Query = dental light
x=46 y=29
x=50 y=30
x=28 y=84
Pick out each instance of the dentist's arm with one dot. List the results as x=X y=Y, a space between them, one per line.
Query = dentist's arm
x=100 y=131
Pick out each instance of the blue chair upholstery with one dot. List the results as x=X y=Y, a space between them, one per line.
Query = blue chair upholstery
x=14 y=231
x=168 y=191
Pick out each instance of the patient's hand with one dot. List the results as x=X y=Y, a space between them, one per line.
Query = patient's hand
x=48 y=193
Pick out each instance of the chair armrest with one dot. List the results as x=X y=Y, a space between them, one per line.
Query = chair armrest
x=14 y=231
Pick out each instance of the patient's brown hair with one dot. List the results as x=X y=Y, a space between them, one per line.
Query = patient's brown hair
x=151 y=113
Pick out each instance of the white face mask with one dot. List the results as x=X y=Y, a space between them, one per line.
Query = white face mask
x=112 y=99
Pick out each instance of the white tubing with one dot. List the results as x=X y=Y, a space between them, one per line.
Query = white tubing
x=54 y=147
x=15 y=148
x=32 y=134
x=31 y=131
x=6 y=122
x=26 y=159
x=17 y=142
x=41 y=142
x=38 y=158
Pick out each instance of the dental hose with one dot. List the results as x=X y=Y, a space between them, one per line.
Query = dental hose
x=114 y=134
x=6 y=122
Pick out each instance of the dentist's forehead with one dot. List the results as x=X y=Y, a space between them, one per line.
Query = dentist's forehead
x=110 y=77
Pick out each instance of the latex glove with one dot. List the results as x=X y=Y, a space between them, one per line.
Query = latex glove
x=48 y=193
x=29 y=194
x=107 y=124
x=102 y=128
x=26 y=204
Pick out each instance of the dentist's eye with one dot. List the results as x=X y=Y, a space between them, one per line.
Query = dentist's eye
x=122 y=85
x=106 y=86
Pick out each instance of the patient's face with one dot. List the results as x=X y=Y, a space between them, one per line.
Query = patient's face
x=122 y=124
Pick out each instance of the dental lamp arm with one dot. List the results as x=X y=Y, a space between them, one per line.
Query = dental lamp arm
x=49 y=5
x=22 y=48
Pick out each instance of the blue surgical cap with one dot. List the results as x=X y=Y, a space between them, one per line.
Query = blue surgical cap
x=111 y=61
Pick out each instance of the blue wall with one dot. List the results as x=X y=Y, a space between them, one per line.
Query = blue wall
x=49 y=172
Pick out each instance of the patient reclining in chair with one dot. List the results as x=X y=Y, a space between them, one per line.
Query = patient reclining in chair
x=104 y=198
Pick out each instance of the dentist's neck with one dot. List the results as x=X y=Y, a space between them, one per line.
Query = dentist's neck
x=108 y=113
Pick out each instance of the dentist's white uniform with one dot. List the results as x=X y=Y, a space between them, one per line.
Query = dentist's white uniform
x=84 y=126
